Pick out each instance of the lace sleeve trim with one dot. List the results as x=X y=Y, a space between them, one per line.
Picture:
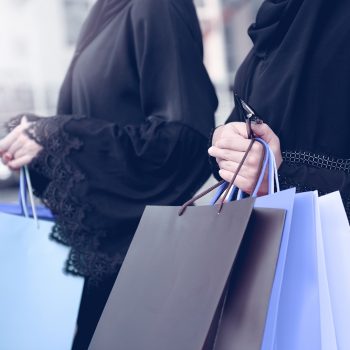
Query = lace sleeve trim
x=70 y=211
x=15 y=121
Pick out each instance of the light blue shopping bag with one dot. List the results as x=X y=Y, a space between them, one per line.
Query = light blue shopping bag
x=22 y=208
x=294 y=321
x=279 y=200
x=38 y=302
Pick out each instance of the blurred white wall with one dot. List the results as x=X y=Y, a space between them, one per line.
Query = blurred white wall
x=224 y=26
x=36 y=47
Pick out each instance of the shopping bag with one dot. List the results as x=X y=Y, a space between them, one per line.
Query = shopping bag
x=38 y=302
x=170 y=289
x=336 y=245
x=289 y=323
x=22 y=208
x=16 y=209
x=244 y=318
x=232 y=336
x=297 y=325
x=327 y=326
x=293 y=320
x=245 y=307
x=172 y=280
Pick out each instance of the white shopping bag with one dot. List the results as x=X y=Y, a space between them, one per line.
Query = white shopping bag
x=336 y=239
x=328 y=337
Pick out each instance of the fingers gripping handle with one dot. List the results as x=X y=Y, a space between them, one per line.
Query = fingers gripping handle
x=220 y=184
x=269 y=164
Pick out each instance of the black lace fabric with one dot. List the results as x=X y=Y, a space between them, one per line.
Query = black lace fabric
x=69 y=211
x=97 y=178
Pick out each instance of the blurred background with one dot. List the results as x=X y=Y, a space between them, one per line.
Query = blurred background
x=37 y=39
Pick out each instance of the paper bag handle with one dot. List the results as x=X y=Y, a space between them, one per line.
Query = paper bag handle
x=227 y=190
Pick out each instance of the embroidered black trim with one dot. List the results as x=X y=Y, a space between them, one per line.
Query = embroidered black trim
x=85 y=258
x=316 y=160
x=286 y=183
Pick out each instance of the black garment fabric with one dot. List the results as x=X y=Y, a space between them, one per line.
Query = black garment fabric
x=134 y=116
x=297 y=78
x=92 y=303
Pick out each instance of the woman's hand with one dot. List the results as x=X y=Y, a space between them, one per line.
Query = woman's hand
x=229 y=144
x=17 y=149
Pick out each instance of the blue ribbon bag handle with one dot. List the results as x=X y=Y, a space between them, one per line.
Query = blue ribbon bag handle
x=25 y=186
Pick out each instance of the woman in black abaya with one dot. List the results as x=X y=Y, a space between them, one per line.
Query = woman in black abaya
x=297 y=78
x=135 y=112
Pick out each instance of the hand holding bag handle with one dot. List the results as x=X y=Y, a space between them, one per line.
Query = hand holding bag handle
x=224 y=187
x=238 y=192
x=248 y=115
x=269 y=160
x=219 y=184
x=269 y=163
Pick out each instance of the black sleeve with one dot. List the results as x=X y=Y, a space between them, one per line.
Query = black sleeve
x=312 y=172
x=101 y=176
x=309 y=177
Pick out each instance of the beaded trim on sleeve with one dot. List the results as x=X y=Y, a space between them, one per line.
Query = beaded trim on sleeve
x=295 y=158
x=316 y=160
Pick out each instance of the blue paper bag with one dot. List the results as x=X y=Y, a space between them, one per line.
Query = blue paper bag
x=22 y=208
x=16 y=209
x=296 y=314
x=38 y=302
x=284 y=200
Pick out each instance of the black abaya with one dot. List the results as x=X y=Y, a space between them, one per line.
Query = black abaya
x=135 y=113
x=134 y=116
x=297 y=78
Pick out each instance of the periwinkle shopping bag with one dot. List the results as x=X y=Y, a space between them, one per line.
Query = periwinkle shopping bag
x=249 y=317
x=243 y=323
x=245 y=307
x=22 y=208
x=38 y=301
x=297 y=325
x=293 y=320
x=16 y=209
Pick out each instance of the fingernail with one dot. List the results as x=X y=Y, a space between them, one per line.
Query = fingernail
x=8 y=156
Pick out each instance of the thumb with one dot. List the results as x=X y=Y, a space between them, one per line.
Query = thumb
x=264 y=132
x=24 y=121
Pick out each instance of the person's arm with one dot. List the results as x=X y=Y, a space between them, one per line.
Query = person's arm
x=304 y=171
x=101 y=175
x=175 y=89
